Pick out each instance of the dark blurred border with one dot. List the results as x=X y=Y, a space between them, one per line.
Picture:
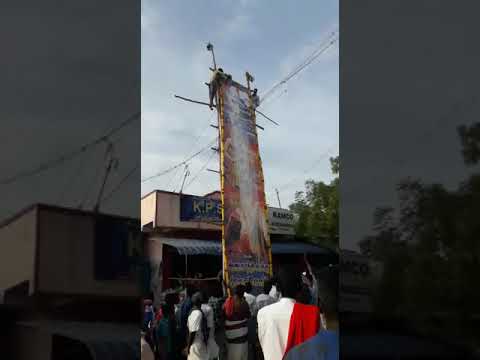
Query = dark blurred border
x=409 y=179
x=71 y=249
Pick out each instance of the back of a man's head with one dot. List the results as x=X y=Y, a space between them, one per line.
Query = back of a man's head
x=204 y=296
x=197 y=299
x=167 y=309
x=248 y=287
x=190 y=290
x=239 y=290
x=289 y=282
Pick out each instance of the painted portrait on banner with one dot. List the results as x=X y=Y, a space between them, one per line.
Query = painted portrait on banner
x=246 y=237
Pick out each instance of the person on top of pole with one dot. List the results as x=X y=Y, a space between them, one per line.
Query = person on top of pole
x=255 y=98
x=216 y=81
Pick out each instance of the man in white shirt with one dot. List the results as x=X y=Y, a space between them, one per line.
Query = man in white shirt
x=264 y=299
x=197 y=329
x=274 y=320
x=212 y=346
x=249 y=297
x=274 y=293
x=323 y=346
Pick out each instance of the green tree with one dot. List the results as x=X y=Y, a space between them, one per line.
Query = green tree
x=430 y=249
x=317 y=209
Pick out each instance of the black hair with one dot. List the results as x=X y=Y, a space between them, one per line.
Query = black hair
x=220 y=69
x=267 y=286
x=197 y=299
x=171 y=299
x=190 y=290
x=289 y=282
x=248 y=287
x=239 y=290
x=304 y=295
x=167 y=309
x=204 y=295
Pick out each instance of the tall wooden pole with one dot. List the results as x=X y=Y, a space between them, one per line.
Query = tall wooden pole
x=278 y=198
x=265 y=210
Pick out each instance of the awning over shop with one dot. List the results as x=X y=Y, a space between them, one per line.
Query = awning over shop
x=205 y=247
x=193 y=246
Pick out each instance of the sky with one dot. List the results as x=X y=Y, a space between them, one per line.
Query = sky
x=404 y=91
x=68 y=76
x=266 y=38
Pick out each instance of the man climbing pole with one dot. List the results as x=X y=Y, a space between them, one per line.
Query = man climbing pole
x=255 y=99
x=218 y=77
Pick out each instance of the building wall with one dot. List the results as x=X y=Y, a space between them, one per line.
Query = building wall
x=147 y=209
x=155 y=254
x=17 y=250
x=31 y=343
x=66 y=257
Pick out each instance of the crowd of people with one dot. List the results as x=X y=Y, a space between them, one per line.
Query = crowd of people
x=287 y=320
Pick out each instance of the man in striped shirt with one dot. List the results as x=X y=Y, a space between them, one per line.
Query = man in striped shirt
x=237 y=314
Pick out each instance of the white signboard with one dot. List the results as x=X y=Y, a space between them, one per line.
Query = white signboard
x=356 y=278
x=281 y=221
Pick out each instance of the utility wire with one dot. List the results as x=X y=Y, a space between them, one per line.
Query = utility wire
x=325 y=45
x=120 y=183
x=73 y=177
x=67 y=156
x=315 y=163
x=197 y=139
x=272 y=100
x=93 y=182
x=201 y=169
x=181 y=163
x=171 y=179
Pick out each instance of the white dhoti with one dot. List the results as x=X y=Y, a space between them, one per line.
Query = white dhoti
x=237 y=351
x=198 y=351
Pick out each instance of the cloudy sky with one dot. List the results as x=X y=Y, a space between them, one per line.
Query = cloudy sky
x=402 y=96
x=269 y=39
x=69 y=74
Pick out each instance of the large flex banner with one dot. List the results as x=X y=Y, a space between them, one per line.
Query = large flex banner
x=246 y=242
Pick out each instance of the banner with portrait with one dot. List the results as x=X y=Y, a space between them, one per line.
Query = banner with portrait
x=246 y=241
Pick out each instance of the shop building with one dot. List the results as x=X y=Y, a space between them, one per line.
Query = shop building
x=183 y=236
x=69 y=277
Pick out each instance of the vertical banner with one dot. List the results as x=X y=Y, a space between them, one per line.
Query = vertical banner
x=246 y=241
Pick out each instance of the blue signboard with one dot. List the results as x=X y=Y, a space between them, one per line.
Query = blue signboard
x=197 y=208
x=117 y=248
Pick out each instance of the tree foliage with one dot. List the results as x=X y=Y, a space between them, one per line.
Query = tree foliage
x=317 y=209
x=430 y=247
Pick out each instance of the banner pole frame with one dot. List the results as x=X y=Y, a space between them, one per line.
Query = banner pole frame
x=265 y=209
x=219 y=97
